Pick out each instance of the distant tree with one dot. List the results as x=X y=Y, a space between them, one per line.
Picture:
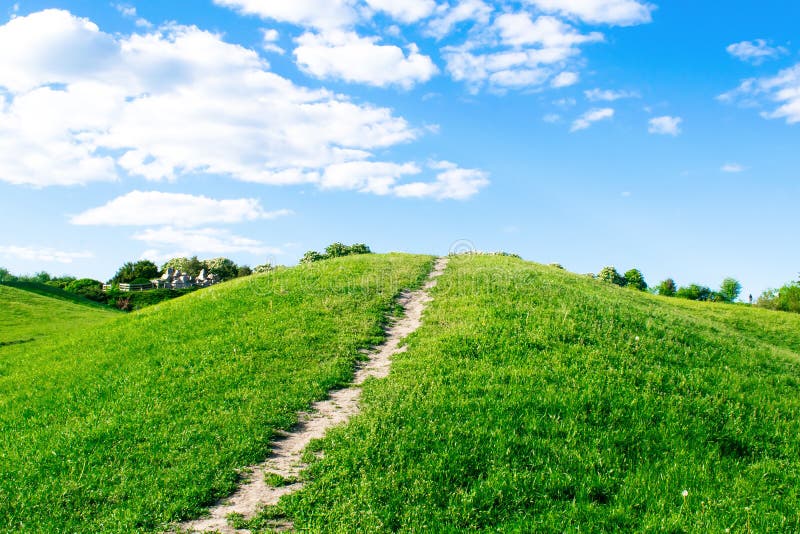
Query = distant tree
x=244 y=270
x=6 y=276
x=312 y=256
x=611 y=275
x=730 y=290
x=191 y=266
x=695 y=292
x=222 y=267
x=358 y=248
x=667 y=288
x=337 y=250
x=130 y=271
x=260 y=269
x=88 y=288
x=635 y=280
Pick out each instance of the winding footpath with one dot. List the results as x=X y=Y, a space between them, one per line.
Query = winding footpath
x=341 y=405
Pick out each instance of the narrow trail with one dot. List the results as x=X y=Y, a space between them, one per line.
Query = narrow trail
x=341 y=405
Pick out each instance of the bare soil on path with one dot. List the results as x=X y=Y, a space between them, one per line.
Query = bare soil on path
x=286 y=457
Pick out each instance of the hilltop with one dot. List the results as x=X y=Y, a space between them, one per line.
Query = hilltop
x=531 y=399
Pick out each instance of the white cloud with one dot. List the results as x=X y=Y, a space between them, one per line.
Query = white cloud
x=614 y=12
x=366 y=177
x=552 y=118
x=452 y=182
x=406 y=11
x=608 y=95
x=733 y=168
x=313 y=13
x=518 y=29
x=347 y=56
x=269 y=38
x=189 y=242
x=126 y=10
x=590 y=117
x=514 y=68
x=755 y=52
x=154 y=208
x=29 y=253
x=448 y=17
x=565 y=79
x=782 y=90
x=665 y=125
x=83 y=105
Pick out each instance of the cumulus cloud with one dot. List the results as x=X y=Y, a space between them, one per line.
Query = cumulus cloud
x=590 y=117
x=613 y=12
x=313 y=13
x=452 y=182
x=608 y=95
x=449 y=17
x=81 y=106
x=154 y=208
x=406 y=11
x=781 y=93
x=520 y=51
x=49 y=255
x=565 y=79
x=349 y=57
x=665 y=125
x=519 y=29
x=366 y=176
x=189 y=242
x=755 y=52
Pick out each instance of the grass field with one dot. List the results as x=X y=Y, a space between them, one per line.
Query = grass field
x=28 y=317
x=146 y=418
x=533 y=400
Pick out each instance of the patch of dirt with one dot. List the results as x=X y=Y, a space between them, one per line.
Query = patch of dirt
x=341 y=405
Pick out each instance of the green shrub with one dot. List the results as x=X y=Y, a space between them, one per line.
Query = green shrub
x=335 y=250
x=696 y=292
x=131 y=271
x=667 y=288
x=610 y=275
x=635 y=279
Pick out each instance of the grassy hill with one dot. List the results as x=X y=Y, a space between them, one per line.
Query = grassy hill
x=534 y=400
x=29 y=315
x=146 y=418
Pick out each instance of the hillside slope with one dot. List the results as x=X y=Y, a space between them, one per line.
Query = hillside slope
x=534 y=400
x=27 y=316
x=146 y=419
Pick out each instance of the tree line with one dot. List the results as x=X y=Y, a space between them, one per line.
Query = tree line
x=729 y=290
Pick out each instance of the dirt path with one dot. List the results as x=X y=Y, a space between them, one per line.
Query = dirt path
x=340 y=406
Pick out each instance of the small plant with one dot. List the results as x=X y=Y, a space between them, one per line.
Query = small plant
x=335 y=250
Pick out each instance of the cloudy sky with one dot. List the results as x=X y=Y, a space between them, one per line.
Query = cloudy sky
x=659 y=135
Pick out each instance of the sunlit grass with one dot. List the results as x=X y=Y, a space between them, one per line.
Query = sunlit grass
x=533 y=400
x=147 y=418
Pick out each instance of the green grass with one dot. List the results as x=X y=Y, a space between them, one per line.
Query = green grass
x=146 y=419
x=533 y=400
x=52 y=292
x=27 y=317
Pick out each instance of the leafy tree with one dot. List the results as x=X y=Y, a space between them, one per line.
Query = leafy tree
x=88 y=288
x=337 y=250
x=635 y=279
x=244 y=270
x=312 y=256
x=6 y=276
x=730 y=289
x=667 y=288
x=260 y=269
x=191 y=266
x=222 y=267
x=611 y=275
x=130 y=271
x=695 y=292
x=358 y=248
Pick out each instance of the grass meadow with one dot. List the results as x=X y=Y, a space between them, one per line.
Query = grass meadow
x=534 y=400
x=145 y=419
x=29 y=317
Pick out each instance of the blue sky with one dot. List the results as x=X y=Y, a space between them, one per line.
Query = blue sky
x=656 y=135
